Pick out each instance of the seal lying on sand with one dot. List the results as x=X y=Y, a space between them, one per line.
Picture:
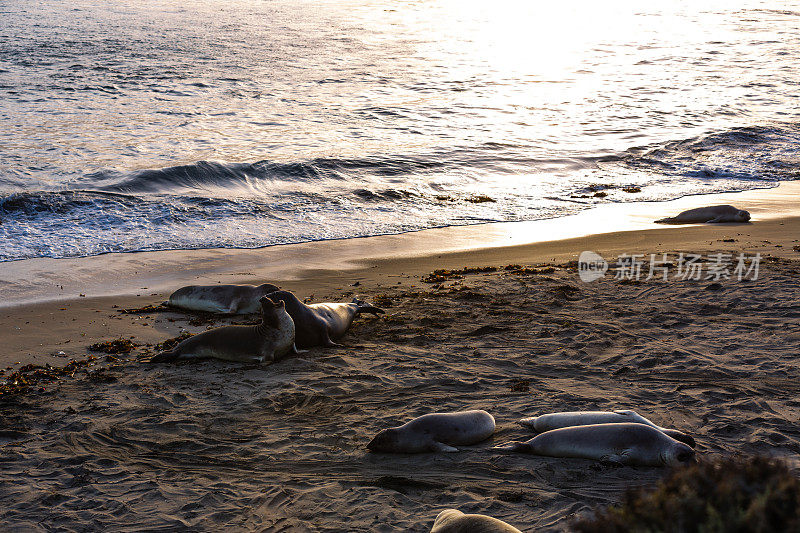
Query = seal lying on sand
x=453 y=521
x=435 y=432
x=319 y=324
x=628 y=444
x=713 y=214
x=268 y=341
x=550 y=421
x=227 y=299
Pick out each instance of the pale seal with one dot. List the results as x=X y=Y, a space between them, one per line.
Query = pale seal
x=550 y=421
x=454 y=521
x=319 y=324
x=712 y=214
x=226 y=299
x=435 y=432
x=628 y=444
x=268 y=341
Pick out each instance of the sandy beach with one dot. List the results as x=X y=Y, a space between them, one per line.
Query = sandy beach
x=122 y=444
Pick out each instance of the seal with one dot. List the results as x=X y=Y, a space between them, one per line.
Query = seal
x=711 y=214
x=268 y=341
x=454 y=521
x=550 y=421
x=319 y=324
x=628 y=443
x=435 y=432
x=225 y=299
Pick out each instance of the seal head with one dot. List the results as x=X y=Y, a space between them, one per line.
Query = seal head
x=454 y=521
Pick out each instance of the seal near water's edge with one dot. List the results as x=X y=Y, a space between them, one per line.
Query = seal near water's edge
x=454 y=521
x=268 y=341
x=711 y=215
x=551 y=421
x=435 y=432
x=318 y=324
x=226 y=299
x=627 y=443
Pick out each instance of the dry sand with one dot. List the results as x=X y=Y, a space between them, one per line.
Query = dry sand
x=202 y=446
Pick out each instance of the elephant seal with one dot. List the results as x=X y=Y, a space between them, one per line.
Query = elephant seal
x=435 y=432
x=454 y=521
x=712 y=214
x=319 y=324
x=543 y=423
x=628 y=443
x=226 y=299
x=268 y=341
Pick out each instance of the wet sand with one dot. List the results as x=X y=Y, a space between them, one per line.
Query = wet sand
x=122 y=444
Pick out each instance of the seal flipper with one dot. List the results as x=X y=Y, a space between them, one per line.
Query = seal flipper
x=165 y=357
x=329 y=343
x=370 y=309
x=616 y=459
x=295 y=350
x=520 y=447
x=437 y=446
x=364 y=307
x=679 y=436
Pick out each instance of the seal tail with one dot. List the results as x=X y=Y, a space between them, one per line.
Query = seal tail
x=164 y=357
x=668 y=220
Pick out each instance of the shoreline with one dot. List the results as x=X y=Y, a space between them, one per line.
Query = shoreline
x=41 y=280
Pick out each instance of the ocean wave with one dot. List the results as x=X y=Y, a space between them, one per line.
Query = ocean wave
x=745 y=153
x=212 y=174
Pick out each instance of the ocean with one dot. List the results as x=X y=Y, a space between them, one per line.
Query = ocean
x=156 y=125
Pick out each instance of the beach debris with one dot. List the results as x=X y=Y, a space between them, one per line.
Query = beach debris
x=29 y=376
x=726 y=494
x=480 y=199
x=121 y=345
x=519 y=269
x=598 y=190
x=171 y=343
x=442 y=274
x=146 y=309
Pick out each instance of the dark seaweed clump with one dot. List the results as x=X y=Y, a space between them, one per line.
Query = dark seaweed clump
x=754 y=494
x=443 y=274
x=121 y=345
x=30 y=376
